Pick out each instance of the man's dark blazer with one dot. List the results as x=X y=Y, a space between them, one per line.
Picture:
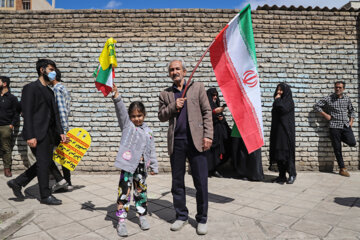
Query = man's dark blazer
x=37 y=112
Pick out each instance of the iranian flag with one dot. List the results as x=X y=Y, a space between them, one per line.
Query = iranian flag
x=233 y=59
x=105 y=73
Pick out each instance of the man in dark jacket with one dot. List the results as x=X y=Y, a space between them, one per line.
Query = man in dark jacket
x=42 y=130
x=9 y=117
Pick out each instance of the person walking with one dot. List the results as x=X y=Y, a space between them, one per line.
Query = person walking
x=41 y=131
x=62 y=99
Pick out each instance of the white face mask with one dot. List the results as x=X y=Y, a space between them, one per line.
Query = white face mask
x=52 y=75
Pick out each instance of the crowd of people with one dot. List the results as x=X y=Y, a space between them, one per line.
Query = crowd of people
x=198 y=131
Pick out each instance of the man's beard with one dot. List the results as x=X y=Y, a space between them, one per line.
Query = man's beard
x=46 y=78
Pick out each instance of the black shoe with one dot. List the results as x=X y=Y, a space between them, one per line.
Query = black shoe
x=291 y=180
x=217 y=174
x=16 y=188
x=51 y=200
x=281 y=180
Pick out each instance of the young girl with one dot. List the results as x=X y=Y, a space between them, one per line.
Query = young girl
x=136 y=153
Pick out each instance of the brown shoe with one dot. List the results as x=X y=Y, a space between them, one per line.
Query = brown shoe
x=344 y=172
x=7 y=172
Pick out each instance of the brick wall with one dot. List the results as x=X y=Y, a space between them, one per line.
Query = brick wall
x=307 y=48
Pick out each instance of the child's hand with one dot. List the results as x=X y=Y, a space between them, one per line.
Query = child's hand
x=152 y=173
x=115 y=91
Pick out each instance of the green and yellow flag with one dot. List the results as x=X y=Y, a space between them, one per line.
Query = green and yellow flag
x=105 y=73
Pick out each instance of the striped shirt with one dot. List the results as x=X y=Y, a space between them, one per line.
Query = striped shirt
x=340 y=110
x=63 y=99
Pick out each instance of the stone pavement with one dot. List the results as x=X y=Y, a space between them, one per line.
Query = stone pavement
x=316 y=206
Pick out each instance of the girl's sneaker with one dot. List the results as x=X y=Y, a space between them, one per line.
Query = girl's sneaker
x=144 y=224
x=121 y=228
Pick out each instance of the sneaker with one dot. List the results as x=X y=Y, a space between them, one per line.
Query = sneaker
x=70 y=187
x=16 y=188
x=121 y=228
x=201 y=228
x=344 y=172
x=144 y=224
x=178 y=224
x=59 y=185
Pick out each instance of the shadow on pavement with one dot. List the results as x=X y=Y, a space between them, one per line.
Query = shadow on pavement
x=348 y=201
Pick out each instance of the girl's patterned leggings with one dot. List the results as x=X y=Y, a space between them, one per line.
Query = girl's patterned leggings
x=127 y=180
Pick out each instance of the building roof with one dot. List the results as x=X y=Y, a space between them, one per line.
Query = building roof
x=302 y=8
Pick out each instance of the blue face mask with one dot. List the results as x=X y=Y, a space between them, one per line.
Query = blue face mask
x=52 y=75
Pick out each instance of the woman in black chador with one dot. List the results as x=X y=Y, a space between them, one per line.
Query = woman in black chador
x=282 y=135
x=219 y=151
x=247 y=166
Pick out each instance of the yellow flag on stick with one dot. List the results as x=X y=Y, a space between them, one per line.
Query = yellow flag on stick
x=105 y=73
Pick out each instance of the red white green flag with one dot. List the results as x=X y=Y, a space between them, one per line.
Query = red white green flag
x=233 y=58
x=105 y=73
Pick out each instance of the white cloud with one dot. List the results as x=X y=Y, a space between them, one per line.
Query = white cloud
x=113 y=4
x=305 y=3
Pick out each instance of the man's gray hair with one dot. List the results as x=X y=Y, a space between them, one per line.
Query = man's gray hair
x=177 y=59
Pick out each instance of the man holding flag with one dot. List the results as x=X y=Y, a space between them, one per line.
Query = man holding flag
x=190 y=134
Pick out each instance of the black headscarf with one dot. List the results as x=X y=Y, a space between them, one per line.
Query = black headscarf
x=210 y=93
x=282 y=135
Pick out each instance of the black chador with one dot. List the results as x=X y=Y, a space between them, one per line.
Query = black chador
x=282 y=135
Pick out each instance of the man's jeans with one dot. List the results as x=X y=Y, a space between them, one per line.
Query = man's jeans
x=339 y=135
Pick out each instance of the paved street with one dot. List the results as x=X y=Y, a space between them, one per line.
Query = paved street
x=316 y=206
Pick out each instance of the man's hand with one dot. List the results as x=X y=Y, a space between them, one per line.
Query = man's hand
x=11 y=127
x=63 y=138
x=180 y=103
x=32 y=142
x=326 y=116
x=152 y=173
x=207 y=144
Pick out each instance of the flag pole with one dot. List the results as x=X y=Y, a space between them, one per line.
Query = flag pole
x=197 y=65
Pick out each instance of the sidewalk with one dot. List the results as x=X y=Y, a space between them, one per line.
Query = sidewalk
x=316 y=206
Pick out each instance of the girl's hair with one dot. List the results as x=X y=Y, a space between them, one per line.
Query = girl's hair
x=137 y=105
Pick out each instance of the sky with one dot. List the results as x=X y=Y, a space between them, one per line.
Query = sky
x=226 y=4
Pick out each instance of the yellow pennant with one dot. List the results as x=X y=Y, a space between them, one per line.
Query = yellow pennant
x=108 y=54
x=70 y=154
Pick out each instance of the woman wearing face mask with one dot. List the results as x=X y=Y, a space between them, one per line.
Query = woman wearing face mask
x=219 y=151
x=282 y=135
